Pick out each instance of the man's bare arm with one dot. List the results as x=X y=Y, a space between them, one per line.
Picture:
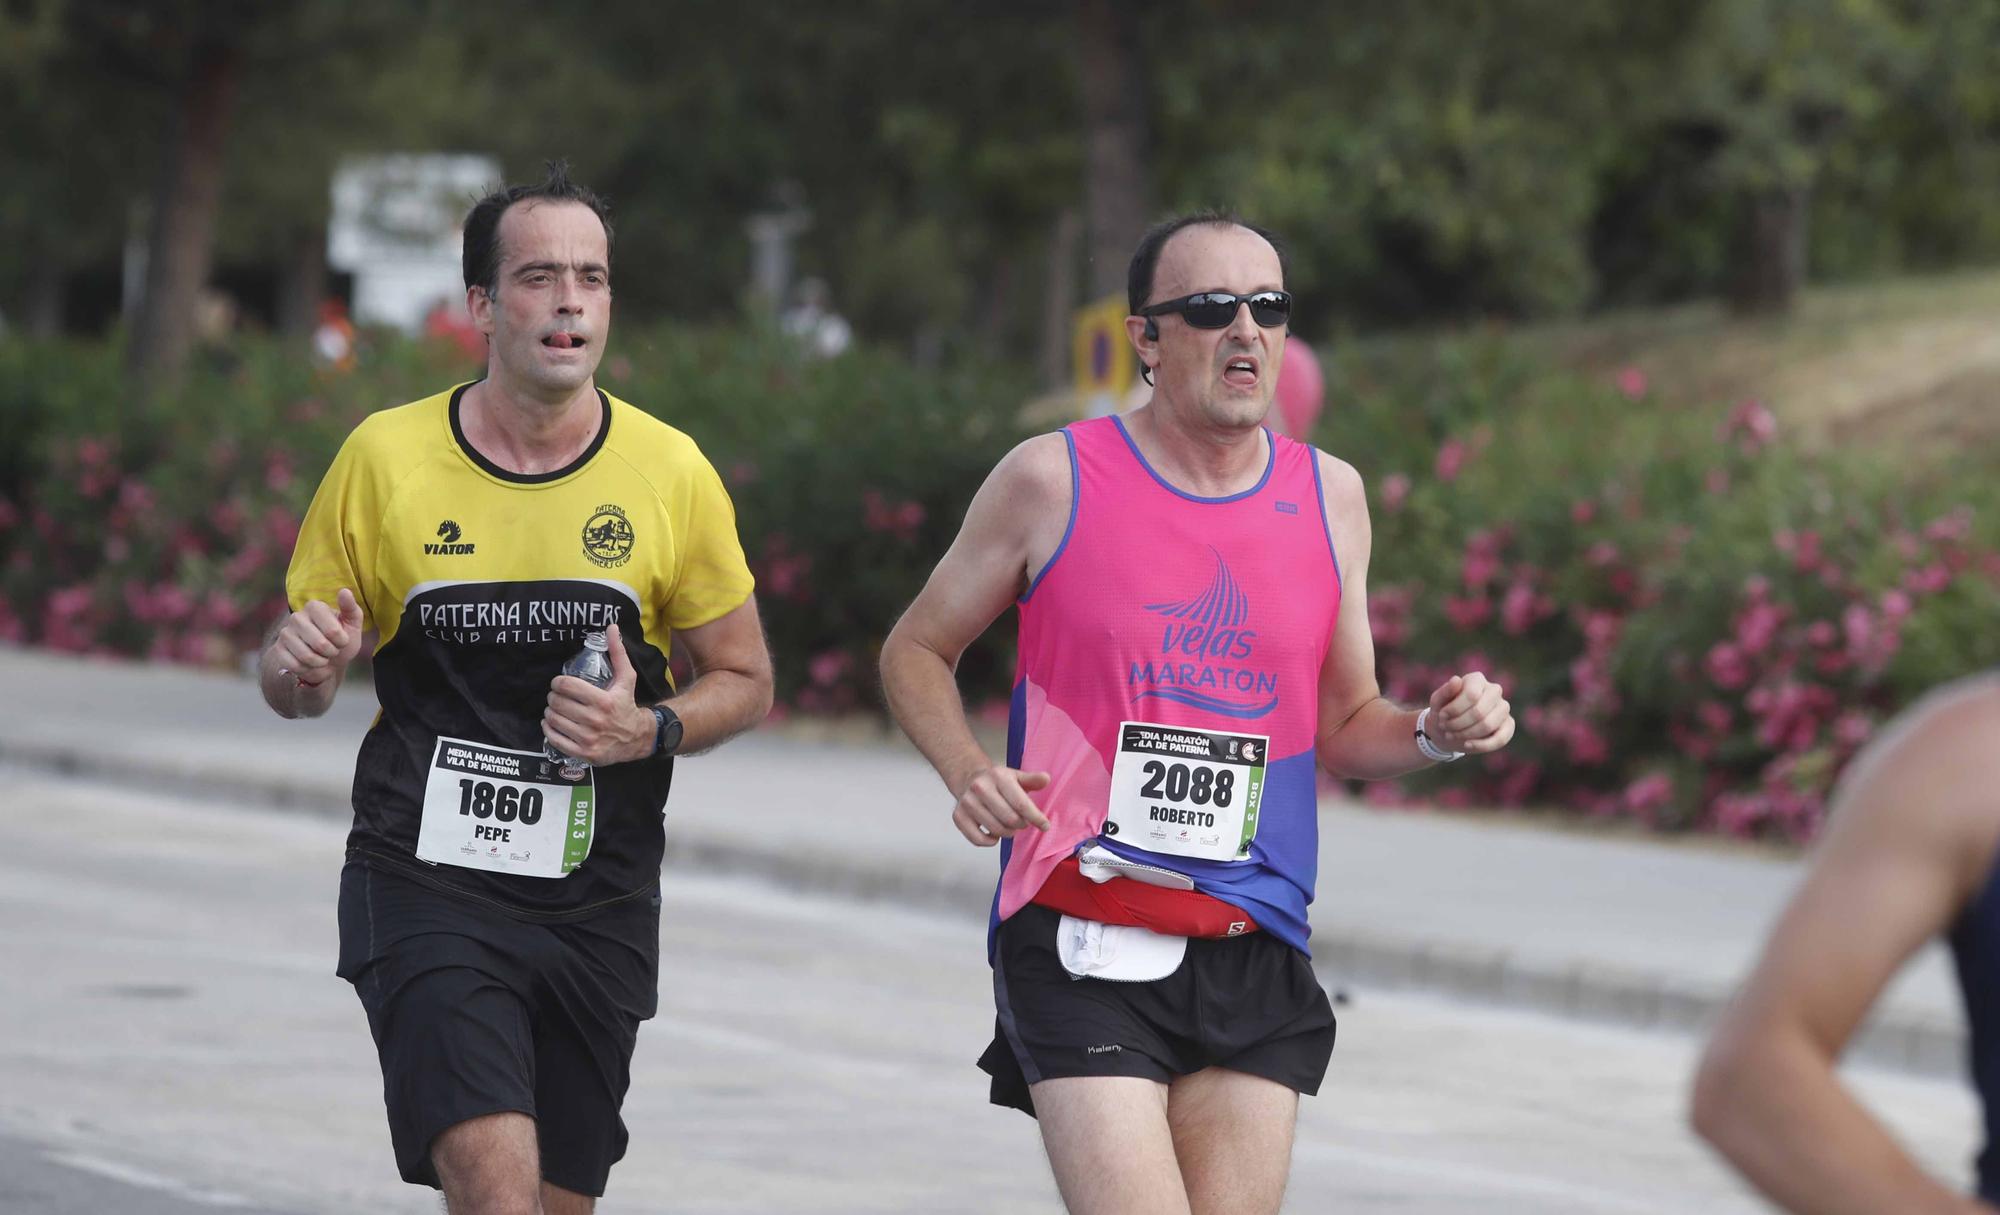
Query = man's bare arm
x=731 y=688
x=1362 y=734
x=306 y=655
x=1911 y=837
x=1006 y=530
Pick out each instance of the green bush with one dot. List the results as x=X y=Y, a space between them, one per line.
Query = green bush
x=1697 y=624
x=166 y=533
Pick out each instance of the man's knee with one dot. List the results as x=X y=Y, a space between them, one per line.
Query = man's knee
x=490 y=1165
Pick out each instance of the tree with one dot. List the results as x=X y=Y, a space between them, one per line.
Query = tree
x=1773 y=87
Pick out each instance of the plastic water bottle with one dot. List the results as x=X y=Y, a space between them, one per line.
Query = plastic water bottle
x=592 y=665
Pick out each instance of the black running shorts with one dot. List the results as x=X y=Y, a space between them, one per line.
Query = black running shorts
x=1250 y=1004
x=475 y=1012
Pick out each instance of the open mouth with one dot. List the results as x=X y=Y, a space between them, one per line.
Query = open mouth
x=565 y=341
x=1240 y=372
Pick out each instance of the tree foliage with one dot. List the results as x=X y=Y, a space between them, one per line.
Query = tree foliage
x=1529 y=158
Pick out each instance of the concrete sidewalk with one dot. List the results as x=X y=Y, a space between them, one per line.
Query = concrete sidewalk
x=1639 y=932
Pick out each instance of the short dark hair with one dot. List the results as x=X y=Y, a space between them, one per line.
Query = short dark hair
x=1146 y=258
x=482 y=225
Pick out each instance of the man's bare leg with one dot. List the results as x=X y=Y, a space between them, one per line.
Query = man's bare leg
x=1109 y=1145
x=490 y=1165
x=558 y=1201
x=1232 y=1133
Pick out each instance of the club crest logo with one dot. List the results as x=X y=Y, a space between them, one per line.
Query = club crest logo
x=608 y=537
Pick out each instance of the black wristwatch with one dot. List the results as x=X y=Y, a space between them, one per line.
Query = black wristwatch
x=666 y=731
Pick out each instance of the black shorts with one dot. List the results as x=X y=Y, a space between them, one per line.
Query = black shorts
x=1250 y=1004
x=475 y=1012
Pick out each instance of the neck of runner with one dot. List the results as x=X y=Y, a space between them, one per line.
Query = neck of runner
x=1208 y=460
x=527 y=435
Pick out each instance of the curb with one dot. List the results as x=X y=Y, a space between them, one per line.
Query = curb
x=1345 y=958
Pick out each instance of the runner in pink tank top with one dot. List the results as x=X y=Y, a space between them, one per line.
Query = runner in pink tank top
x=1194 y=644
x=1168 y=610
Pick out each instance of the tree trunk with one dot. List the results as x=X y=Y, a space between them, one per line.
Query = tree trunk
x=1061 y=299
x=1771 y=266
x=45 y=299
x=1117 y=193
x=302 y=284
x=184 y=214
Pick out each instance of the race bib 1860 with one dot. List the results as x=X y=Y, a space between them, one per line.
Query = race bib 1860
x=487 y=807
x=1186 y=792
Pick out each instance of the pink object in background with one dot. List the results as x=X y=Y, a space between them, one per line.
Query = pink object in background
x=1301 y=391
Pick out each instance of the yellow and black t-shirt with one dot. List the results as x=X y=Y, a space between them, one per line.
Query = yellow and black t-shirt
x=482 y=582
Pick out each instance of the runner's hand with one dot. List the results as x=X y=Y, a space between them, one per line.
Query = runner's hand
x=1470 y=714
x=995 y=804
x=604 y=725
x=317 y=642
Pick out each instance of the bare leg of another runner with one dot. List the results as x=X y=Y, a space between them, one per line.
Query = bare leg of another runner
x=1109 y=1145
x=1233 y=1137
x=558 y=1201
x=490 y=1165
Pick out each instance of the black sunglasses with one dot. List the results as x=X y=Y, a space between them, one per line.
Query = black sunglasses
x=1217 y=309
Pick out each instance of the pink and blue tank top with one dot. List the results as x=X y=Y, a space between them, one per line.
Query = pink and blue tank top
x=1163 y=607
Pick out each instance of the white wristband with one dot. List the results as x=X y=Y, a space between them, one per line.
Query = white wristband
x=1431 y=751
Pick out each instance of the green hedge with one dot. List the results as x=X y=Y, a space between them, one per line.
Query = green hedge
x=1697 y=623
x=166 y=533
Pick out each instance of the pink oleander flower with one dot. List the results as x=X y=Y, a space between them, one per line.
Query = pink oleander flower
x=1752 y=425
x=1929 y=580
x=1822 y=633
x=1896 y=605
x=827 y=667
x=1726 y=666
x=1740 y=814
x=1520 y=609
x=1807 y=557
x=1852 y=729
x=1467 y=614
x=1587 y=747
x=1757 y=625
x=1582 y=511
x=1645 y=797
x=1388 y=615
x=1950 y=528
x=135 y=497
x=1632 y=382
x=1450 y=460
x=1518 y=784
x=277 y=471
x=1478 y=567
x=1395 y=491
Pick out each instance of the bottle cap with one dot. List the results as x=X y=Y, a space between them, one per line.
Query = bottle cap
x=596 y=641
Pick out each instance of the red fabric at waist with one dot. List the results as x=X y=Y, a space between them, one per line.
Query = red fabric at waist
x=1181 y=913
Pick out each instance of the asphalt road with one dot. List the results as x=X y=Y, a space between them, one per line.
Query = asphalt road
x=173 y=1040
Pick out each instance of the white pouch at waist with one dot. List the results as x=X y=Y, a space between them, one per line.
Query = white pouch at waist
x=1119 y=952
